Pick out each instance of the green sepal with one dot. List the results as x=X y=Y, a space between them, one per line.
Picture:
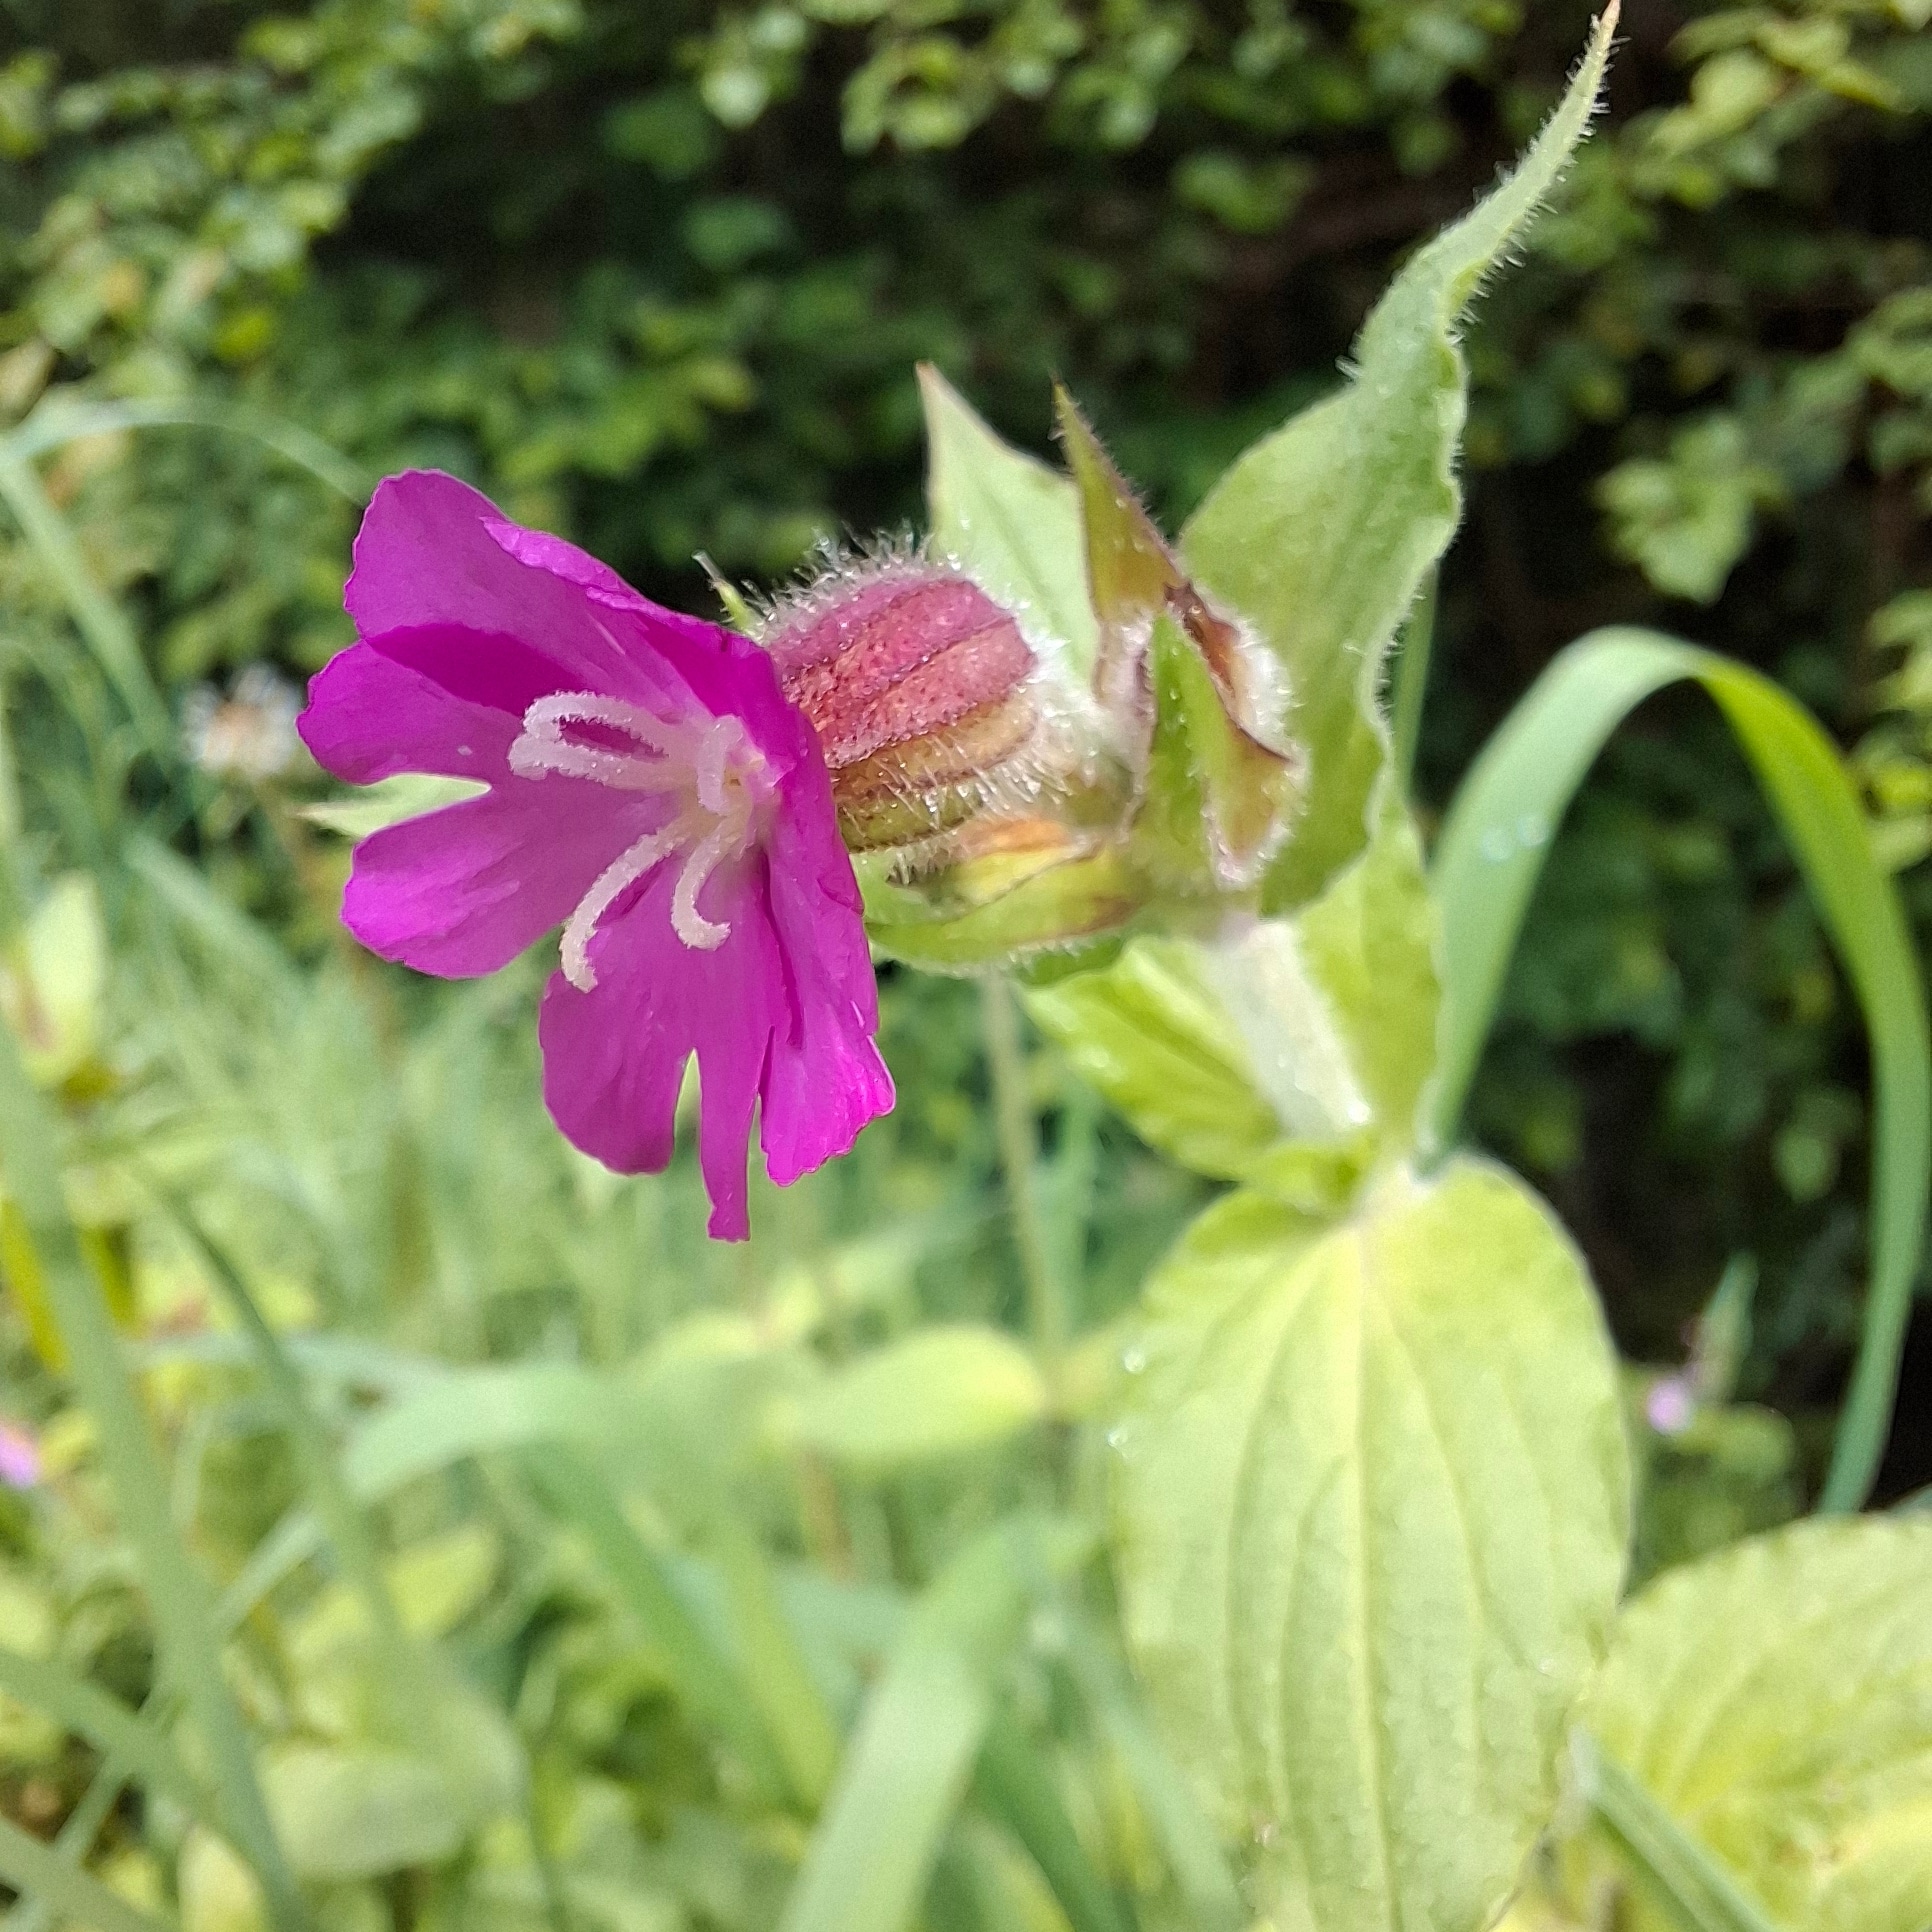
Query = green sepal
x=1216 y=794
x=987 y=911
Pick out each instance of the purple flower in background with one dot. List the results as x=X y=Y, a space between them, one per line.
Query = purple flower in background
x=19 y=1457
x=652 y=791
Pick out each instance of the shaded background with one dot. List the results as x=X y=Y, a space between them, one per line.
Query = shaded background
x=656 y=275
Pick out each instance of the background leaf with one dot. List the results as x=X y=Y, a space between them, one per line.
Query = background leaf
x=1776 y=1701
x=912 y=1753
x=942 y=1392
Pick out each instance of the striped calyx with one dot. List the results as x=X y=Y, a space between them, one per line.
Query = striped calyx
x=920 y=688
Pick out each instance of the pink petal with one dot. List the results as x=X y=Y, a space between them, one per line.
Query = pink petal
x=481 y=667
x=613 y=1058
x=464 y=890
x=370 y=717
x=826 y=1079
x=425 y=555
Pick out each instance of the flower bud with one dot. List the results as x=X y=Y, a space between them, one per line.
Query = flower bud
x=919 y=686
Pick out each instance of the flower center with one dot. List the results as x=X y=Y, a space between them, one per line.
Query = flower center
x=716 y=778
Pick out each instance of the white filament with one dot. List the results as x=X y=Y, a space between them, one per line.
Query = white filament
x=709 y=766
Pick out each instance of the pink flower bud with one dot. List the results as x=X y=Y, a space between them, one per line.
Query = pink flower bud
x=918 y=686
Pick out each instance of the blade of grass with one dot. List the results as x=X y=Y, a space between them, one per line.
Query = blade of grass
x=1690 y=1884
x=1012 y=1785
x=704 y=1674
x=48 y=428
x=910 y=1759
x=104 y=1722
x=100 y=621
x=74 y=1841
x=780 y=1682
x=343 y=1520
x=1492 y=850
x=177 y=1593
x=1187 y=1839
x=38 y=1871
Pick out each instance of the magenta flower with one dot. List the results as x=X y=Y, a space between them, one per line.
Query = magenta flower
x=652 y=791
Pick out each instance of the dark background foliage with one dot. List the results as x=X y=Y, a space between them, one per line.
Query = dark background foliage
x=658 y=274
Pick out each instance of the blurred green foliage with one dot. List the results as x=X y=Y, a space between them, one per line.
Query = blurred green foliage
x=658 y=276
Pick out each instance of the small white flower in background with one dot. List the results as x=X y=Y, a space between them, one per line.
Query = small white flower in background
x=248 y=734
x=19 y=1457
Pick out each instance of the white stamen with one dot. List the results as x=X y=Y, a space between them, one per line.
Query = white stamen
x=629 y=865
x=710 y=766
x=699 y=933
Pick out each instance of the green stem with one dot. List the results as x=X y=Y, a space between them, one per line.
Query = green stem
x=1412 y=680
x=177 y=1592
x=1019 y=1146
x=1696 y=1891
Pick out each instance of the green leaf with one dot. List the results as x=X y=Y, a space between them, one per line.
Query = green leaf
x=1216 y=798
x=1775 y=1700
x=943 y=1391
x=1001 y=904
x=1321 y=535
x=1492 y=850
x=1151 y=1035
x=1374 y=1506
x=1696 y=1892
x=416 y=1762
x=912 y=1754
x=1011 y=523
x=1371 y=943
x=357 y=1811
x=389 y=801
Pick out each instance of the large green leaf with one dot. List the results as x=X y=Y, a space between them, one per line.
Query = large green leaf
x=1321 y=535
x=1776 y=1701
x=1492 y=851
x=1374 y=1505
x=1010 y=521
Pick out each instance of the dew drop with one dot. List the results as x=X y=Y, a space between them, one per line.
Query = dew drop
x=1532 y=830
x=1497 y=844
x=1134 y=1361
